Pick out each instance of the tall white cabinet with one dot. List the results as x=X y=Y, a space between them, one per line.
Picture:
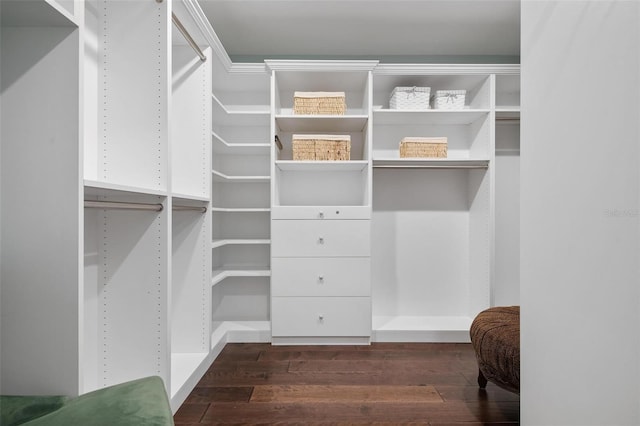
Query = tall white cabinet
x=113 y=282
x=321 y=210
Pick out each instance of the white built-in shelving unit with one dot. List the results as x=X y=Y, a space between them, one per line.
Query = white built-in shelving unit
x=321 y=210
x=124 y=116
x=241 y=179
x=435 y=271
x=225 y=237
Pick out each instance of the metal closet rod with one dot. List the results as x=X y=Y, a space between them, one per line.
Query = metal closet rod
x=190 y=208
x=116 y=205
x=187 y=36
x=427 y=166
x=88 y=204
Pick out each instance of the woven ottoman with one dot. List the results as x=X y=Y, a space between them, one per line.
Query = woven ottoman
x=495 y=337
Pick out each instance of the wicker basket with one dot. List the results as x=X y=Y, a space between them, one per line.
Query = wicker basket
x=321 y=147
x=325 y=103
x=416 y=98
x=420 y=147
x=449 y=99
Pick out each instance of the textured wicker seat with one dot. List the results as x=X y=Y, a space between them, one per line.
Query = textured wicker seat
x=495 y=337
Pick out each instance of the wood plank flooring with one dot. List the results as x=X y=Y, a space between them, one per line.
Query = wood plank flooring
x=384 y=383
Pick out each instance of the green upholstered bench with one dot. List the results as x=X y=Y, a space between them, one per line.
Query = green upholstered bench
x=495 y=337
x=141 y=402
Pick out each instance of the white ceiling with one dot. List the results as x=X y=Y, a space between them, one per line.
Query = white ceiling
x=379 y=29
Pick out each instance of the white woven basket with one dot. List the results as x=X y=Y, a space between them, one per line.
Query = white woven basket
x=410 y=97
x=449 y=99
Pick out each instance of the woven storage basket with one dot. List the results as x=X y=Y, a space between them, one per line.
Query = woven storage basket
x=326 y=103
x=449 y=99
x=410 y=98
x=420 y=147
x=321 y=147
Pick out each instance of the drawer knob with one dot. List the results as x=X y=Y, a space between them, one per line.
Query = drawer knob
x=321 y=278
x=321 y=317
x=321 y=215
x=321 y=240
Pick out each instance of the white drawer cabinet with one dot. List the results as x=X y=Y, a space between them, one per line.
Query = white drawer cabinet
x=321 y=316
x=316 y=238
x=320 y=280
x=321 y=276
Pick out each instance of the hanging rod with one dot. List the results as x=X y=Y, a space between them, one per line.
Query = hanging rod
x=121 y=206
x=187 y=36
x=190 y=208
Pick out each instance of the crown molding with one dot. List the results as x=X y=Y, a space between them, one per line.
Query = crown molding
x=469 y=69
x=319 y=65
x=247 y=68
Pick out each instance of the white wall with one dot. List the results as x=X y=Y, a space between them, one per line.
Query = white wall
x=579 y=220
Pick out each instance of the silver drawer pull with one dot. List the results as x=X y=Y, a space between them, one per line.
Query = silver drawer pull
x=321 y=240
x=321 y=215
x=321 y=278
x=321 y=317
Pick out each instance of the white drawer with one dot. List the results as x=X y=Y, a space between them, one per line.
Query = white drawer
x=321 y=276
x=324 y=212
x=320 y=316
x=316 y=238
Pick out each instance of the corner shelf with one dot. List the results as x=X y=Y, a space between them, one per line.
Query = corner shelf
x=239 y=241
x=221 y=177
x=222 y=147
x=244 y=271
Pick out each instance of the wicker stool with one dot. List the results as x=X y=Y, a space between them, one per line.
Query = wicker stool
x=495 y=337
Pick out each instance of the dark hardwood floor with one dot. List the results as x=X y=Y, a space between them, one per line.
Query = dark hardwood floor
x=385 y=383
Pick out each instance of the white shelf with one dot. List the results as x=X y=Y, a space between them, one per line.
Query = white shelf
x=241 y=111
x=187 y=197
x=239 y=117
x=421 y=329
x=239 y=332
x=92 y=187
x=321 y=123
x=221 y=177
x=222 y=147
x=430 y=116
x=322 y=166
x=240 y=209
x=239 y=241
x=246 y=271
x=430 y=163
